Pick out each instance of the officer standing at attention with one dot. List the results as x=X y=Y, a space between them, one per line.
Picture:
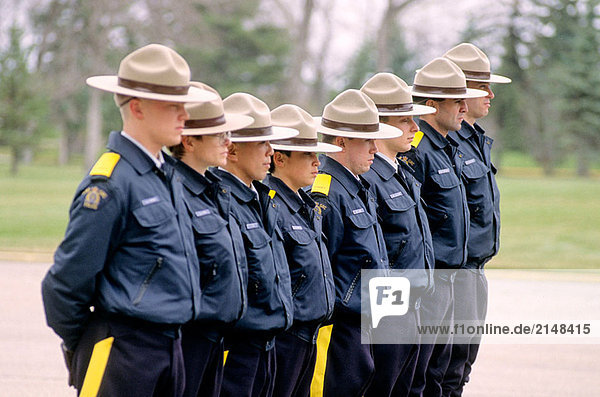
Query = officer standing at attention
x=251 y=364
x=128 y=250
x=294 y=165
x=483 y=196
x=218 y=240
x=442 y=85
x=405 y=229
x=354 y=239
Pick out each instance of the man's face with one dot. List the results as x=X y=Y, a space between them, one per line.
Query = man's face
x=409 y=128
x=163 y=121
x=300 y=168
x=254 y=159
x=359 y=154
x=479 y=107
x=450 y=113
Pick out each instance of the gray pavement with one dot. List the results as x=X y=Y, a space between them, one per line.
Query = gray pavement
x=31 y=363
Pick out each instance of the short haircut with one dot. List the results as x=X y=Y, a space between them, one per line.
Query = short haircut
x=420 y=100
x=384 y=119
x=329 y=139
x=272 y=165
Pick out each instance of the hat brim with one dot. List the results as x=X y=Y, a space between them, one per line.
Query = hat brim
x=110 y=84
x=418 y=110
x=278 y=133
x=385 y=132
x=471 y=93
x=494 y=78
x=233 y=122
x=320 y=147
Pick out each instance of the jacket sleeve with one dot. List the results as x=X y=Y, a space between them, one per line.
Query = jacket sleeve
x=332 y=223
x=69 y=287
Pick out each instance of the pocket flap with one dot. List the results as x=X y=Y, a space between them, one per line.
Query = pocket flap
x=445 y=181
x=399 y=203
x=153 y=214
x=474 y=170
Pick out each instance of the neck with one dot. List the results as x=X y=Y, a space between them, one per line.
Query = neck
x=341 y=158
x=431 y=120
x=194 y=164
x=470 y=119
x=390 y=154
x=231 y=167
x=142 y=138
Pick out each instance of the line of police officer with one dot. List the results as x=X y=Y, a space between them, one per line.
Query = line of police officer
x=278 y=265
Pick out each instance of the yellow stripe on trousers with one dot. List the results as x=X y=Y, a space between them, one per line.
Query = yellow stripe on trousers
x=318 y=380
x=225 y=354
x=96 y=367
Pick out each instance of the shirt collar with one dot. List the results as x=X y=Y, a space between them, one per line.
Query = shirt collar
x=158 y=161
x=192 y=179
x=434 y=136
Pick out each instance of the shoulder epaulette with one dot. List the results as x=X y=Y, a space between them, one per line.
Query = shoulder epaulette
x=105 y=164
x=417 y=139
x=272 y=193
x=321 y=184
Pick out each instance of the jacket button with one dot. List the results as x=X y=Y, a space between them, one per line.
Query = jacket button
x=224 y=190
x=277 y=278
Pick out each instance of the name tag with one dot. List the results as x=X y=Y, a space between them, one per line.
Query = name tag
x=471 y=161
x=358 y=211
x=250 y=226
x=202 y=212
x=444 y=171
x=150 y=200
x=296 y=227
x=397 y=194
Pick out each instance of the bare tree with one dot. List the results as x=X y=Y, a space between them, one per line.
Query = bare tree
x=386 y=26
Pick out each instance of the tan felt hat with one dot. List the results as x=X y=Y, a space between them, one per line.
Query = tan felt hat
x=474 y=64
x=293 y=116
x=210 y=117
x=392 y=96
x=442 y=78
x=153 y=72
x=262 y=128
x=353 y=114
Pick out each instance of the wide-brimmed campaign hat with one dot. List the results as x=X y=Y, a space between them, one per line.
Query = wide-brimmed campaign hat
x=262 y=129
x=392 y=96
x=474 y=64
x=210 y=117
x=293 y=116
x=442 y=78
x=153 y=72
x=353 y=114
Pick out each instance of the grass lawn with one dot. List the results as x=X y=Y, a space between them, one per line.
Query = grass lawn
x=546 y=222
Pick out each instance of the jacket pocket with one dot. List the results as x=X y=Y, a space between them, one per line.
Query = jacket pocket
x=146 y=283
x=153 y=215
x=399 y=203
x=474 y=170
x=301 y=237
x=361 y=220
x=448 y=180
x=257 y=238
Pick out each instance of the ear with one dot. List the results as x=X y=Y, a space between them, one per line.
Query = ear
x=136 y=108
x=279 y=159
x=341 y=142
x=432 y=103
x=187 y=142
x=232 y=156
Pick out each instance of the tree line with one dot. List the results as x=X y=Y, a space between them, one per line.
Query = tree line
x=280 y=50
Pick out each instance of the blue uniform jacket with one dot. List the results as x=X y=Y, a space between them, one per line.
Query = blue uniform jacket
x=483 y=195
x=270 y=306
x=220 y=247
x=313 y=290
x=354 y=237
x=438 y=166
x=403 y=221
x=128 y=249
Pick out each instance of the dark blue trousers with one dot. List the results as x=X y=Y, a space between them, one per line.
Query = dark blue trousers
x=127 y=357
x=470 y=304
x=250 y=367
x=203 y=358
x=295 y=365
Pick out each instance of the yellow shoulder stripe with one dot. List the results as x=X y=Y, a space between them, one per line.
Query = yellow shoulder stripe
x=321 y=184
x=96 y=367
x=272 y=193
x=106 y=164
x=417 y=139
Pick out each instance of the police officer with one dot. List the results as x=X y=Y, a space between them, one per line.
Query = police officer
x=218 y=240
x=441 y=84
x=295 y=165
x=250 y=364
x=483 y=197
x=128 y=251
x=354 y=238
x=406 y=232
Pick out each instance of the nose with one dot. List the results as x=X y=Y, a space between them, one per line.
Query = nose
x=490 y=93
x=316 y=161
x=413 y=125
x=184 y=113
x=373 y=147
x=270 y=150
x=463 y=106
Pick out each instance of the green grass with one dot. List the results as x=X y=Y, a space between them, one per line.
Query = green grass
x=546 y=222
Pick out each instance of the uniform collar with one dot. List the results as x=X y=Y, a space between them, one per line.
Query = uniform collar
x=341 y=173
x=192 y=179
x=287 y=195
x=466 y=130
x=382 y=167
x=158 y=161
x=139 y=160
x=434 y=136
x=238 y=188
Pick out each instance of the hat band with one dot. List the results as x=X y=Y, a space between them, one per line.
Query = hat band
x=440 y=90
x=402 y=107
x=153 y=88
x=252 y=132
x=297 y=142
x=469 y=74
x=204 y=123
x=349 y=127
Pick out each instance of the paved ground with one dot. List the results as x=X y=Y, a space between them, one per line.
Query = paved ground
x=31 y=363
